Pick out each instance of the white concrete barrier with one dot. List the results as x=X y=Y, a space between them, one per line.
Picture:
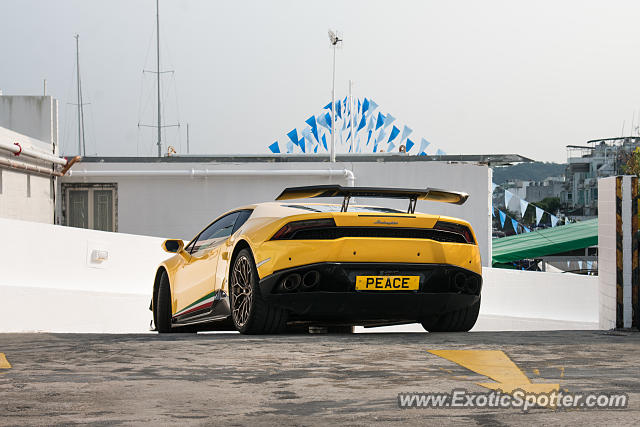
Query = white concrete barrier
x=51 y=281
x=537 y=295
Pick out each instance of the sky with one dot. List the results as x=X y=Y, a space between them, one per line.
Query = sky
x=472 y=77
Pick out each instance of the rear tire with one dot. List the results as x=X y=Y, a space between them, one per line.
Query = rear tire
x=162 y=306
x=456 y=321
x=250 y=312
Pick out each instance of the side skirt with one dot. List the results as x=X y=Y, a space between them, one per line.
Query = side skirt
x=217 y=310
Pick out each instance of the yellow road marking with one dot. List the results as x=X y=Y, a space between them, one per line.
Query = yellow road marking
x=496 y=365
x=4 y=363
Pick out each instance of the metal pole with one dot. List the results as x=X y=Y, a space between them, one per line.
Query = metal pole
x=158 y=76
x=351 y=116
x=187 y=138
x=332 y=157
x=77 y=36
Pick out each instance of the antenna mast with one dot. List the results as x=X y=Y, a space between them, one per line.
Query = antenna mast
x=158 y=75
x=81 y=142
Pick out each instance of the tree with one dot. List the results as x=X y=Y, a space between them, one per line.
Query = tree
x=631 y=164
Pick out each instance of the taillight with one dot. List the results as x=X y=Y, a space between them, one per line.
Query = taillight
x=455 y=228
x=288 y=231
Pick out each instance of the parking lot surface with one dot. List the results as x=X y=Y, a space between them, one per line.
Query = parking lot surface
x=204 y=379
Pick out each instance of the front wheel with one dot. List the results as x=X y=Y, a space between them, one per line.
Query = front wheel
x=456 y=321
x=162 y=306
x=250 y=312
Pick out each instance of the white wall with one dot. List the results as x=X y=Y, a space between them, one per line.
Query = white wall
x=180 y=207
x=49 y=283
x=57 y=257
x=540 y=295
x=34 y=116
x=15 y=200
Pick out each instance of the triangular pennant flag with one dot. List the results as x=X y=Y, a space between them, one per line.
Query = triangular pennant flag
x=503 y=217
x=493 y=212
x=423 y=145
x=554 y=220
x=363 y=122
x=589 y=265
x=289 y=147
x=514 y=223
x=405 y=133
x=410 y=145
x=394 y=132
x=494 y=186
x=293 y=136
x=440 y=153
x=311 y=121
x=324 y=142
x=523 y=207
x=526 y=229
x=327 y=120
x=275 y=148
x=380 y=120
x=580 y=265
x=507 y=198
x=388 y=120
x=381 y=137
x=372 y=105
x=539 y=213
x=391 y=147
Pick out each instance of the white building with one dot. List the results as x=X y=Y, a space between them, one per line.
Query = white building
x=28 y=146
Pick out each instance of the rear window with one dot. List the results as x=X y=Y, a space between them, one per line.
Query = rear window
x=336 y=208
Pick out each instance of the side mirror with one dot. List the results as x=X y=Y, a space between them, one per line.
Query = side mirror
x=173 y=246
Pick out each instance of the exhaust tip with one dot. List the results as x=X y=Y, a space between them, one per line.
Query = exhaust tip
x=291 y=282
x=459 y=281
x=472 y=286
x=310 y=279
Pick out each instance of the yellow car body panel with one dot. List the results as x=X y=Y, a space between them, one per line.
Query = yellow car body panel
x=193 y=278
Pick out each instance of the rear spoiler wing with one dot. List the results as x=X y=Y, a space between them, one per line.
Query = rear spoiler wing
x=430 y=194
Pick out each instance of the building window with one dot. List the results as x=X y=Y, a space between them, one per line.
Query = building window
x=92 y=206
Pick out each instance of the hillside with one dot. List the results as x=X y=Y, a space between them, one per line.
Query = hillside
x=536 y=171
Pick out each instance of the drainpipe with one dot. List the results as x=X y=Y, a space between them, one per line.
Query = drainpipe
x=344 y=173
x=19 y=151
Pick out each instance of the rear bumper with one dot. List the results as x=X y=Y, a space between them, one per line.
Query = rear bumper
x=334 y=297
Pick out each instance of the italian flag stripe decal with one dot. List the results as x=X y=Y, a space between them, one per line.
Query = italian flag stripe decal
x=204 y=302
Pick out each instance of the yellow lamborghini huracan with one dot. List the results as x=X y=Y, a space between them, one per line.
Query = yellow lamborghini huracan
x=284 y=266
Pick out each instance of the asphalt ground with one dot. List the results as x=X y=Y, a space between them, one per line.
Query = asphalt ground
x=205 y=379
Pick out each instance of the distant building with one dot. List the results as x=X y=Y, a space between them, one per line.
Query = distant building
x=28 y=147
x=552 y=186
x=586 y=163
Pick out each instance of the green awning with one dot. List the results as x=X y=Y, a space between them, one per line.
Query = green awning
x=546 y=242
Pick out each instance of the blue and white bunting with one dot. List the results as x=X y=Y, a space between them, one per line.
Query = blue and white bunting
x=507 y=198
x=554 y=220
x=523 y=207
x=503 y=217
x=539 y=213
x=514 y=223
